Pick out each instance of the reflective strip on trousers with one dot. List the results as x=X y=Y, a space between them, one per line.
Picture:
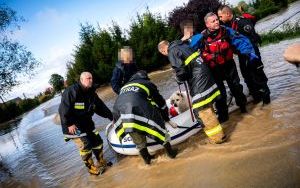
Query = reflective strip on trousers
x=142 y=119
x=204 y=93
x=85 y=152
x=141 y=128
x=98 y=147
x=211 y=132
x=206 y=101
x=138 y=85
x=191 y=57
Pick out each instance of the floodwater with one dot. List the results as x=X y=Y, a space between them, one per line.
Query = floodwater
x=278 y=21
x=263 y=149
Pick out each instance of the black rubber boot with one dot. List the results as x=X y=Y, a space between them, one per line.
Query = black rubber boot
x=146 y=156
x=171 y=152
x=266 y=99
x=223 y=118
x=243 y=109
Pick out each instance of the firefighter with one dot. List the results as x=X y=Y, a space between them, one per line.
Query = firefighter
x=141 y=112
x=124 y=69
x=253 y=73
x=217 y=44
x=189 y=68
x=78 y=104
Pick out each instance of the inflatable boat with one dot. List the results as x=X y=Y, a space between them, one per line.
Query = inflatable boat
x=186 y=128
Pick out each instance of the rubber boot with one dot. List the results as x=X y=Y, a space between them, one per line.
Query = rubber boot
x=146 y=156
x=171 y=152
x=91 y=167
x=266 y=98
x=243 y=109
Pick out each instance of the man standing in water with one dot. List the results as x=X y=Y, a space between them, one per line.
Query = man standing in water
x=123 y=70
x=217 y=44
x=78 y=104
x=253 y=73
x=189 y=67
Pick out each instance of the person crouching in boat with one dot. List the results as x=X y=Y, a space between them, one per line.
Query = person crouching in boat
x=189 y=67
x=141 y=112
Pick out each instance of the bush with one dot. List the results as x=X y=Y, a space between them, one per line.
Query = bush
x=289 y=31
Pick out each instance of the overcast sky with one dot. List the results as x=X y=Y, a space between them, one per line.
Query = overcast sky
x=52 y=26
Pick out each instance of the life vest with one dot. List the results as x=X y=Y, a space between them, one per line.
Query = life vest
x=217 y=50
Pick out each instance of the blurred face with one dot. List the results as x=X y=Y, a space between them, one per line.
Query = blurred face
x=212 y=23
x=126 y=55
x=188 y=31
x=163 y=49
x=86 y=80
x=224 y=16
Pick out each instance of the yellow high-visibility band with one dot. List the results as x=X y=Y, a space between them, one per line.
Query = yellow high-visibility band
x=138 y=85
x=79 y=107
x=84 y=152
x=98 y=147
x=206 y=101
x=142 y=128
x=191 y=57
x=213 y=131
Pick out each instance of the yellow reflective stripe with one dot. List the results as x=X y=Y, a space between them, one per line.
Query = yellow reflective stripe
x=153 y=103
x=214 y=131
x=120 y=132
x=206 y=101
x=191 y=57
x=138 y=85
x=142 y=128
x=96 y=132
x=79 y=107
x=84 y=152
x=98 y=147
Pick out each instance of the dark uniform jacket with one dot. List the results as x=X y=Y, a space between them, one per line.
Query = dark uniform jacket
x=189 y=67
x=139 y=107
x=78 y=106
x=121 y=74
x=245 y=27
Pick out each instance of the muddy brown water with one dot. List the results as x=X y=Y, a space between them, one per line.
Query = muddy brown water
x=263 y=149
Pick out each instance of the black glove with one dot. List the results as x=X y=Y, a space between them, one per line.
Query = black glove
x=165 y=113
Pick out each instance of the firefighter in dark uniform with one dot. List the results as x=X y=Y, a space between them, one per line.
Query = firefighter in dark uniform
x=217 y=44
x=189 y=68
x=124 y=69
x=142 y=112
x=253 y=73
x=78 y=104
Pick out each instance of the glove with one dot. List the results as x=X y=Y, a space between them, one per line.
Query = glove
x=179 y=82
x=173 y=124
x=165 y=114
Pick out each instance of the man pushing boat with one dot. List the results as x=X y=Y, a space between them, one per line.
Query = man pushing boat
x=141 y=112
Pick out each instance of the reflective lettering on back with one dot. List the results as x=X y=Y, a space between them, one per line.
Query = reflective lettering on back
x=130 y=89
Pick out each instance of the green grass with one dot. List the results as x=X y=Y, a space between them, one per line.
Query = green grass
x=289 y=32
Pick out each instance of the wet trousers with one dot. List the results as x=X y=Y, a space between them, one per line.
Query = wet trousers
x=212 y=127
x=254 y=76
x=92 y=143
x=229 y=73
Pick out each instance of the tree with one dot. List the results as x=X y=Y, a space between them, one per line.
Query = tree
x=96 y=53
x=57 y=82
x=15 y=59
x=144 y=35
x=194 y=10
